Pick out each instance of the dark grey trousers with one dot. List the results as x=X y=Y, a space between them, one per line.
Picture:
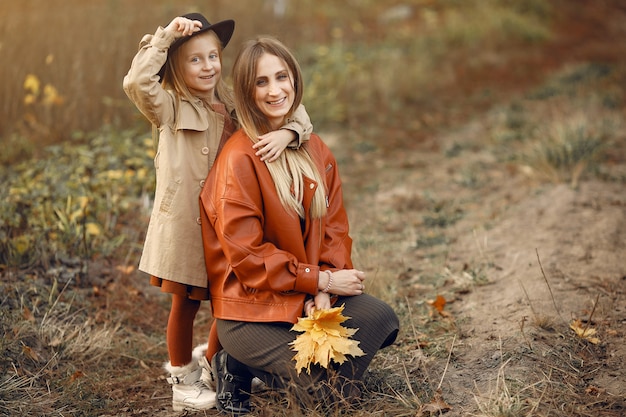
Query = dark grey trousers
x=264 y=347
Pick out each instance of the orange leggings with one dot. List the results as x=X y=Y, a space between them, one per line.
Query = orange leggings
x=179 y=336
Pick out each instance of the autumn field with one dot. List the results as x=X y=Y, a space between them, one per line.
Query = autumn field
x=483 y=155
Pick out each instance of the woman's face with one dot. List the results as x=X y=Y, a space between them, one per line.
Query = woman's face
x=201 y=66
x=274 y=92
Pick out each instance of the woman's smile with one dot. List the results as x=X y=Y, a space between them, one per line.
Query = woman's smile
x=277 y=102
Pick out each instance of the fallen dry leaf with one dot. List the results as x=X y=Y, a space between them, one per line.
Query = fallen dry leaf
x=584 y=333
x=436 y=406
x=29 y=352
x=323 y=340
x=76 y=375
x=27 y=314
x=439 y=303
x=595 y=391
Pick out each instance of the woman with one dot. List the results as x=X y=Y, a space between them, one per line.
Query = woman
x=276 y=242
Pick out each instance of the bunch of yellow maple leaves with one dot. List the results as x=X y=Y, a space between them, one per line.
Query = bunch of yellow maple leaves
x=324 y=339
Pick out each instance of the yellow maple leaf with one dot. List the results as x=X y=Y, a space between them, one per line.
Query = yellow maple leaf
x=583 y=332
x=323 y=340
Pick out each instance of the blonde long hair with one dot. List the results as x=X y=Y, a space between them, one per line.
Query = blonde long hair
x=289 y=170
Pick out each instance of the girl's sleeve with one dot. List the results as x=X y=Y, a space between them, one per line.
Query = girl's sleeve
x=300 y=123
x=142 y=82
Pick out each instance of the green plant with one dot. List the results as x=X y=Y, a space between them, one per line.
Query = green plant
x=71 y=202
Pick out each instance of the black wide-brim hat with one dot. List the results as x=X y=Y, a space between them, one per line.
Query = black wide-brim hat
x=224 y=31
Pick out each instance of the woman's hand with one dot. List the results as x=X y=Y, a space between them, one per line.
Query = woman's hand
x=181 y=26
x=309 y=306
x=321 y=301
x=344 y=282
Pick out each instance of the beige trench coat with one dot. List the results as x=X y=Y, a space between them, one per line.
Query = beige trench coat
x=187 y=147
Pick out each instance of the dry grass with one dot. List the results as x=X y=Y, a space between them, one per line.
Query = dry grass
x=53 y=346
x=500 y=401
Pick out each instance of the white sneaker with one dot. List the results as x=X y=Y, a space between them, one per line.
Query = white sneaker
x=188 y=390
x=207 y=374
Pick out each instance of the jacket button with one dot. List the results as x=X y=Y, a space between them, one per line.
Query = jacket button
x=202 y=183
x=307 y=269
x=311 y=186
x=205 y=151
x=198 y=220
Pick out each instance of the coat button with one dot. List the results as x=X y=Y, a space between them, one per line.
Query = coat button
x=205 y=151
x=202 y=183
x=307 y=269
x=311 y=186
x=198 y=220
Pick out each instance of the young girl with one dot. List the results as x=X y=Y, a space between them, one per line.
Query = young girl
x=277 y=244
x=175 y=80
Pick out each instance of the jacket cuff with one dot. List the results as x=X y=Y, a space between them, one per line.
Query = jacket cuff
x=294 y=127
x=307 y=276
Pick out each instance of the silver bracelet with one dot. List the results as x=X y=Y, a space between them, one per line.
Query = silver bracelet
x=330 y=281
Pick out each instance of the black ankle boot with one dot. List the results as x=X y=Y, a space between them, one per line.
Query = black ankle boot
x=233 y=384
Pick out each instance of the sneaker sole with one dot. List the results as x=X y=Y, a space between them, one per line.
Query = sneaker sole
x=178 y=406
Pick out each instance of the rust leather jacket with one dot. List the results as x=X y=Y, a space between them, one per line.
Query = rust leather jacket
x=262 y=261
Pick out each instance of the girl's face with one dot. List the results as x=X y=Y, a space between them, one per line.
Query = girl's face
x=274 y=92
x=201 y=65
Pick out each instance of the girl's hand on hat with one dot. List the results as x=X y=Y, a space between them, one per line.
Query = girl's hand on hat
x=181 y=26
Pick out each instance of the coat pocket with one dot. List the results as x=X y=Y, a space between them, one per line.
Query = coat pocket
x=168 y=198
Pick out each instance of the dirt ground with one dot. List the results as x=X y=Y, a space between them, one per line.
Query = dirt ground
x=580 y=238
x=548 y=255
